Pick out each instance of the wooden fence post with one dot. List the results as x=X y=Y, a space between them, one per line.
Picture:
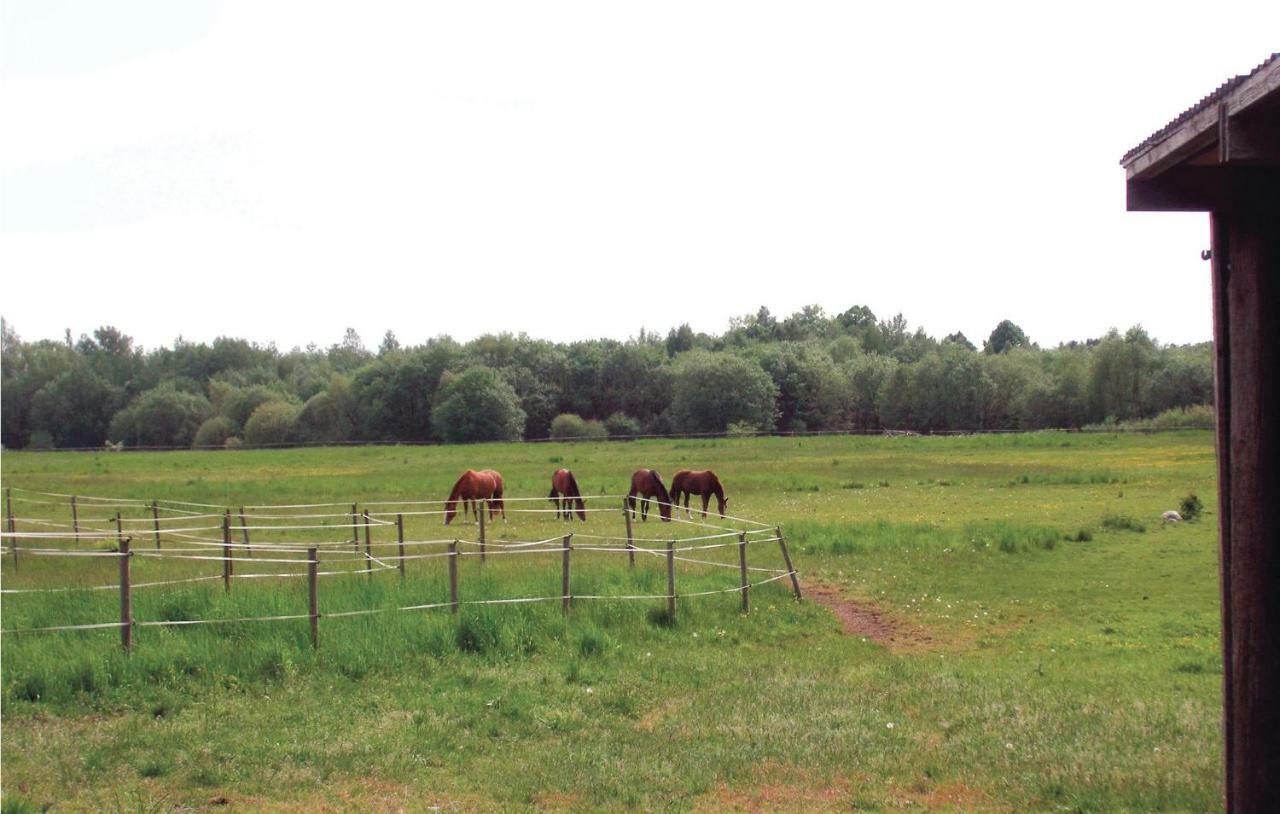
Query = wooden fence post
x=355 y=530
x=484 y=509
x=566 y=599
x=119 y=531
x=75 y=520
x=400 y=541
x=671 y=580
x=244 y=527
x=13 y=540
x=312 y=590
x=368 y=546
x=226 y=551
x=126 y=598
x=742 y=569
x=453 y=576
x=782 y=542
x=631 y=548
x=155 y=522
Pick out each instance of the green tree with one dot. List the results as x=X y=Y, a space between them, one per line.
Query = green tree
x=1005 y=337
x=477 y=405
x=74 y=407
x=1120 y=376
x=393 y=394
x=711 y=391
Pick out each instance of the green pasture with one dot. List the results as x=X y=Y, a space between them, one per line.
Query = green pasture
x=1041 y=642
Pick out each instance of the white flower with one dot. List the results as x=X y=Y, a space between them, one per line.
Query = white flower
x=889 y=725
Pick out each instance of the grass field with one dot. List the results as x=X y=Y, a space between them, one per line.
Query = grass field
x=1031 y=650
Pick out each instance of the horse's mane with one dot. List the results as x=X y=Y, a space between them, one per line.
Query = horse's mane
x=573 y=485
x=663 y=495
x=457 y=487
x=715 y=485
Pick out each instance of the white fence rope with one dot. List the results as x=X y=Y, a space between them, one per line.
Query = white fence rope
x=367 y=563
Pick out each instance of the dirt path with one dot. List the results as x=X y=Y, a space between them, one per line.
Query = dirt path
x=859 y=619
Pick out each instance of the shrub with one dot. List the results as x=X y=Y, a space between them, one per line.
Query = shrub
x=165 y=416
x=1190 y=507
x=214 y=432
x=570 y=426
x=324 y=419
x=742 y=429
x=1120 y=522
x=621 y=425
x=272 y=423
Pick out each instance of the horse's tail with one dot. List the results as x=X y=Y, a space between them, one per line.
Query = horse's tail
x=577 y=497
x=497 y=493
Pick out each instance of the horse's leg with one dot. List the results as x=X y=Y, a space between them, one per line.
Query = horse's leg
x=631 y=503
x=644 y=508
x=705 y=500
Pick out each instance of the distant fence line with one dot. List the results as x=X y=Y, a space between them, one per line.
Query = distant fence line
x=889 y=433
x=189 y=536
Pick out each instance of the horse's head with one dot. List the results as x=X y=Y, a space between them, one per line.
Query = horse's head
x=664 y=508
x=724 y=504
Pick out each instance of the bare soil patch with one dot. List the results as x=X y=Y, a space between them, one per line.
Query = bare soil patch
x=865 y=620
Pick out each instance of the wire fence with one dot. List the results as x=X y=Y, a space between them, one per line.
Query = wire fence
x=309 y=540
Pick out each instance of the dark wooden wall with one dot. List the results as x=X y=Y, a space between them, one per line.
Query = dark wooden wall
x=1246 y=291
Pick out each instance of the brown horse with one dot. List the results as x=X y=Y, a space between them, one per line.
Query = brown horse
x=648 y=484
x=565 y=495
x=473 y=487
x=703 y=483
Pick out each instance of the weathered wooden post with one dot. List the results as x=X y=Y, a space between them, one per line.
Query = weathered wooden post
x=566 y=599
x=453 y=576
x=355 y=530
x=244 y=527
x=13 y=540
x=155 y=521
x=226 y=551
x=75 y=520
x=631 y=548
x=368 y=546
x=119 y=531
x=742 y=570
x=126 y=597
x=313 y=564
x=400 y=541
x=671 y=580
x=786 y=557
x=484 y=509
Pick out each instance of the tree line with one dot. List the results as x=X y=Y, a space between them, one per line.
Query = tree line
x=809 y=371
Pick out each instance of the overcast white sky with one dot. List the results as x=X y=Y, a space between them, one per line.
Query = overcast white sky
x=280 y=171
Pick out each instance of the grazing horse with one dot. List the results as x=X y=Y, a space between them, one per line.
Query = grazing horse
x=648 y=484
x=471 y=488
x=703 y=483
x=565 y=495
